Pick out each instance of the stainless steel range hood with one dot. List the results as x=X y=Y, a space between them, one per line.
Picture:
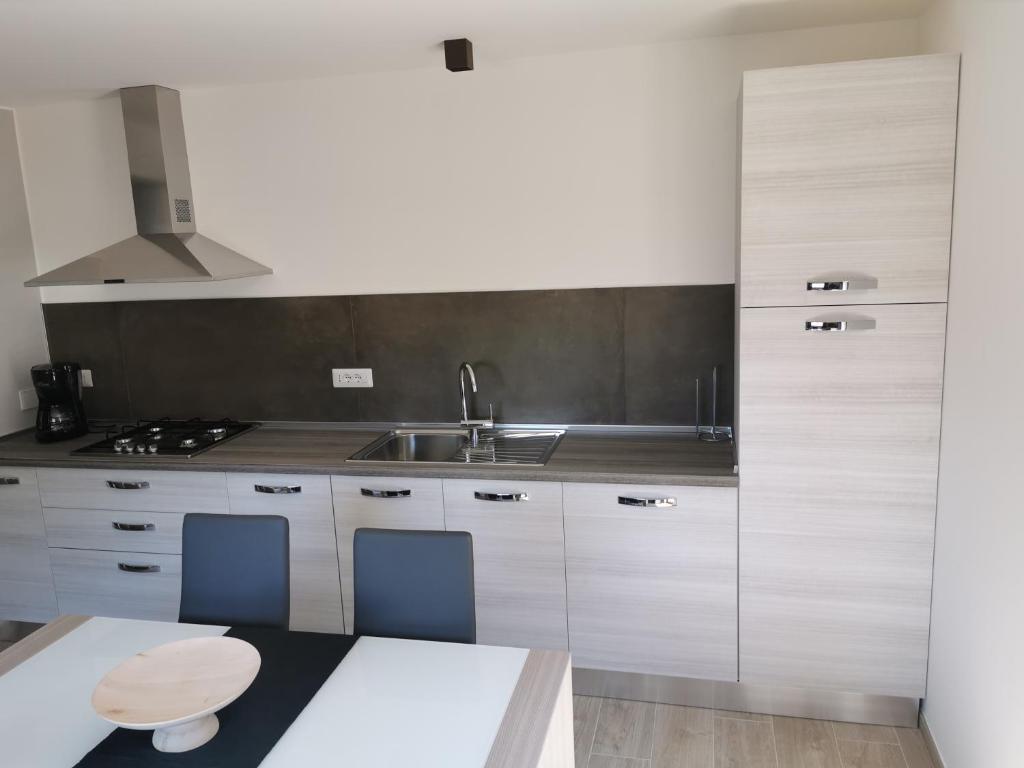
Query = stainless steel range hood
x=167 y=249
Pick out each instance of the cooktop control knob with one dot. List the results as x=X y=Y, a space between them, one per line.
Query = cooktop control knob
x=152 y=448
x=140 y=448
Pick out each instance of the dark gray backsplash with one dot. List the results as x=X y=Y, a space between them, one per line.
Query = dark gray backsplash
x=592 y=356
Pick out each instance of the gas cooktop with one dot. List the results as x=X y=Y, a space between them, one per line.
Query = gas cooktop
x=167 y=437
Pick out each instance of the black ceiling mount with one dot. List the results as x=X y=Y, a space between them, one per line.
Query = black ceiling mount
x=458 y=55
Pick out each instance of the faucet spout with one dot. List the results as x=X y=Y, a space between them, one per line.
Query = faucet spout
x=466 y=421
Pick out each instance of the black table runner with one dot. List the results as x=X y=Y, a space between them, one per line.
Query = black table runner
x=294 y=666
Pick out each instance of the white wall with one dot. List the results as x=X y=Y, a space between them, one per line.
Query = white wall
x=22 y=343
x=604 y=168
x=974 y=705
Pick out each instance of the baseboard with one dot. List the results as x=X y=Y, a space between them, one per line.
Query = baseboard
x=744 y=697
x=929 y=742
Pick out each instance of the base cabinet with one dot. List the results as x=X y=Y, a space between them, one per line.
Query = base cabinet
x=518 y=559
x=401 y=503
x=26 y=584
x=651 y=574
x=305 y=500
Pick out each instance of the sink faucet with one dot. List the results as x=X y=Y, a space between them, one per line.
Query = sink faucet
x=474 y=424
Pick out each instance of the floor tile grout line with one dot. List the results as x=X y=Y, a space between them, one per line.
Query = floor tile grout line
x=835 y=738
x=597 y=723
x=775 y=746
x=654 y=733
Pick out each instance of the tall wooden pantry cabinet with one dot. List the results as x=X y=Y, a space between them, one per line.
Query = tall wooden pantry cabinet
x=846 y=202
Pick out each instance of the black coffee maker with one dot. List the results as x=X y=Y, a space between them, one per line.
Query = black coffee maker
x=59 y=389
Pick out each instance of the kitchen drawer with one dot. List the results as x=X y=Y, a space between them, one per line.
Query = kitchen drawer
x=839 y=449
x=401 y=503
x=305 y=500
x=92 y=583
x=118 y=531
x=139 y=491
x=652 y=589
x=26 y=586
x=518 y=559
x=847 y=175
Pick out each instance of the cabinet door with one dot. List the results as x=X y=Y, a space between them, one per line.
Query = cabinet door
x=402 y=503
x=847 y=175
x=306 y=501
x=651 y=575
x=26 y=585
x=127 y=585
x=518 y=559
x=838 y=467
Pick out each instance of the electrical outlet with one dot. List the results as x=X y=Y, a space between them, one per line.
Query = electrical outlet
x=352 y=377
x=27 y=399
x=86 y=377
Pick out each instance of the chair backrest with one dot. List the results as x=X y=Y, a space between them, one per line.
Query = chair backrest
x=414 y=584
x=234 y=570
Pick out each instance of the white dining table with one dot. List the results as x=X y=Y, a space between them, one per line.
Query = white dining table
x=388 y=702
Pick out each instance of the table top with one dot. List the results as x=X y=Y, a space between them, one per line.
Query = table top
x=389 y=702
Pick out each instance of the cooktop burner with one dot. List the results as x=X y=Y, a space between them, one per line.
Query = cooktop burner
x=167 y=437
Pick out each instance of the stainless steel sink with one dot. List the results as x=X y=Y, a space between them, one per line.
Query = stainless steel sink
x=510 y=447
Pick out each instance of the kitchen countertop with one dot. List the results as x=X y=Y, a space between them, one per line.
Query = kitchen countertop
x=589 y=456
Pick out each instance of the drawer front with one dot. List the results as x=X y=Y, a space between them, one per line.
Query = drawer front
x=400 y=503
x=838 y=467
x=113 y=530
x=26 y=585
x=305 y=500
x=847 y=175
x=651 y=575
x=135 y=490
x=518 y=559
x=92 y=583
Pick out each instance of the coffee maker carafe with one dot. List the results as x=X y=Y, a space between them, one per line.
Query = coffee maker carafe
x=59 y=389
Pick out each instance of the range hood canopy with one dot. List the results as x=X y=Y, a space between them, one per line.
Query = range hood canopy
x=167 y=249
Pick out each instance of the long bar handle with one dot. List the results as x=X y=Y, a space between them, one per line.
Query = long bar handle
x=10 y=481
x=374 y=493
x=840 y=285
x=128 y=485
x=643 y=501
x=277 y=488
x=839 y=326
x=132 y=568
x=132 y=526
x=487 y=496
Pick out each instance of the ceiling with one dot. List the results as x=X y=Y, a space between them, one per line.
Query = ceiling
x=52 y=49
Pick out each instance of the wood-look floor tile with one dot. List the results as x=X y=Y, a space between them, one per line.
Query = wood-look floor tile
x=684 y=737
x=607 y=761
x=803 y=743
x=757 y=718
x=744 y=744
x=914 y=748
x=585 y=710
x=871 y=754
x=625 y=729
x=882 y=734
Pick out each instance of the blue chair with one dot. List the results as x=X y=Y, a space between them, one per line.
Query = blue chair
x=414 y=584
x=234 y=570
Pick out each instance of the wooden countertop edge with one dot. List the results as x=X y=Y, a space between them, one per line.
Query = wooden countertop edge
x=523 y=732
x=42 y=638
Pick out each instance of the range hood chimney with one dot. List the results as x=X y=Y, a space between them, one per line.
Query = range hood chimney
x=167 y=249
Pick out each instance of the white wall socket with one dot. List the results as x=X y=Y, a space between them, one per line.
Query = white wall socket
x=352 y=377
x=86 y=377
x=27 y=399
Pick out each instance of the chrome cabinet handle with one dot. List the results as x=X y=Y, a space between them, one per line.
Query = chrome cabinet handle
x=10 y=481
x=278 y=488
x=641 y=501
x=133 y=526
x=839 y=285
x=485 y=496
x=839 y=326
x=385 y=494
x=131 y=568
x=128 y=485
